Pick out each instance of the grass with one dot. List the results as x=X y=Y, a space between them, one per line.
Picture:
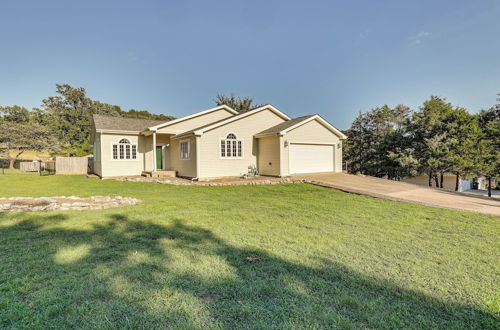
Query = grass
x=329 y=259
x=31 y=154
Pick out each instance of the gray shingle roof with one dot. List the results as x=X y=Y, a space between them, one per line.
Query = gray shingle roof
x=212 y=123
x=123 y=124
x=284 y=125
x=241 y=114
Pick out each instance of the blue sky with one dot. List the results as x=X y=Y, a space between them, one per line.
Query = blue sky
x=335 y=58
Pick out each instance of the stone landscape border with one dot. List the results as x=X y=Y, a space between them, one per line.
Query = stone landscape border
x=220 y=182
x=63 y=203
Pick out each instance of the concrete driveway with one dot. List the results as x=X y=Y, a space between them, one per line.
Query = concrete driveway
x=401 y=191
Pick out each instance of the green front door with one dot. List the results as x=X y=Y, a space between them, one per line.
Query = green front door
x=159 y=158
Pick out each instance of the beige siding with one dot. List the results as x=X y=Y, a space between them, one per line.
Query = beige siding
x=196 y=122
x=183 y=167
x=313 y=132
x=111 y=167
x=146 y=149
x=269 y=155
x=97 y=154
x=211 y=165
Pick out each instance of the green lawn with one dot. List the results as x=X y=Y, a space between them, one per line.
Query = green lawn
x=329 y=259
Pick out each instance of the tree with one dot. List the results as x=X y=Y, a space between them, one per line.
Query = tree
x=239 y=104
x=489 y=122
x=465 y=144
x=14 y=113
x=69 y=117
x=144 y=114
x=379 y=144
x=431 y=137
x=19 y=137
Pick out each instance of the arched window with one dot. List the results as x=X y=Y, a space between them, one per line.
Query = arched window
x=231 y=147
x=124 y=150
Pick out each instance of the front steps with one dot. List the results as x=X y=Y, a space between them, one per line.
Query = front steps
x=159 y=174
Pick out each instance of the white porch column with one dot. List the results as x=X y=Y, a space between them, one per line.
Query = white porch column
x=154 y=151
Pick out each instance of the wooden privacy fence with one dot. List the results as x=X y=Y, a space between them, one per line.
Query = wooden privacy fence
x=29 y=166
x=74 y=165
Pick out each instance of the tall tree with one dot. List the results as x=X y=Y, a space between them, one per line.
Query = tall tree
x=144 y=114
x=489 y=122
x=379 y=144
x=69 y=116
x=465 y=144
x=15 y=114
x=239 y=104
x=431 y=137
x=18 y=137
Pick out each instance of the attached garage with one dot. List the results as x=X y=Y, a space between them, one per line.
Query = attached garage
x=307 y=144
x=311 y=158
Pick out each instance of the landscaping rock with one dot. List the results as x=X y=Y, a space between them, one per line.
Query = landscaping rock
x=63 y=203
x=232 y=181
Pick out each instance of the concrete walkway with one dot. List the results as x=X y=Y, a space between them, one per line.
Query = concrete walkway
x=401 y=191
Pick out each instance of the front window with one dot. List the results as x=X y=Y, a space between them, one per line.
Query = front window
x=124 y=150
x=184 y=146
x=231 y=147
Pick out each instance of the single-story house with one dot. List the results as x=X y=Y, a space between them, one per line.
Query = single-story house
x=217 y=142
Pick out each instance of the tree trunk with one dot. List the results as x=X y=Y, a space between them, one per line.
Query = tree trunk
x=430 y=179
x=489 y=186
x=12 y=160
x=457 y=181
x=441 y=181
x=436 y=180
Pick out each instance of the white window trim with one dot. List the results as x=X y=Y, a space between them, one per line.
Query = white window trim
x=124 y=159
x=188 y=150
x=237 y=139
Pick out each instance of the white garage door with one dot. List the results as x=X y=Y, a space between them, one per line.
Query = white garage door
x=311 y=158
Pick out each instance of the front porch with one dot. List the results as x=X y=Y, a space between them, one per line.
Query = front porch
x=157 y=159
x=163 y=156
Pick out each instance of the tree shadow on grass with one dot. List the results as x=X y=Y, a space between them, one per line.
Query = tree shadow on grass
x=125 y=273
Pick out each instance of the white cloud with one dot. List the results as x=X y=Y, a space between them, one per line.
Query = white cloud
x=418 y=38
x=423 y=34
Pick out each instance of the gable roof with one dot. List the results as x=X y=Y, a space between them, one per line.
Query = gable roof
x=287 y=126
x=197 y=114
x=110 y=123
x=200 y=130
x=282 y=126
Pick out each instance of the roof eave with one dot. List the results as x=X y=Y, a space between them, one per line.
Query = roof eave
x=244 y=115
x=178 y=120
x=180 y=136
x=332 y=128
x=267 y=134
x=117 y=131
